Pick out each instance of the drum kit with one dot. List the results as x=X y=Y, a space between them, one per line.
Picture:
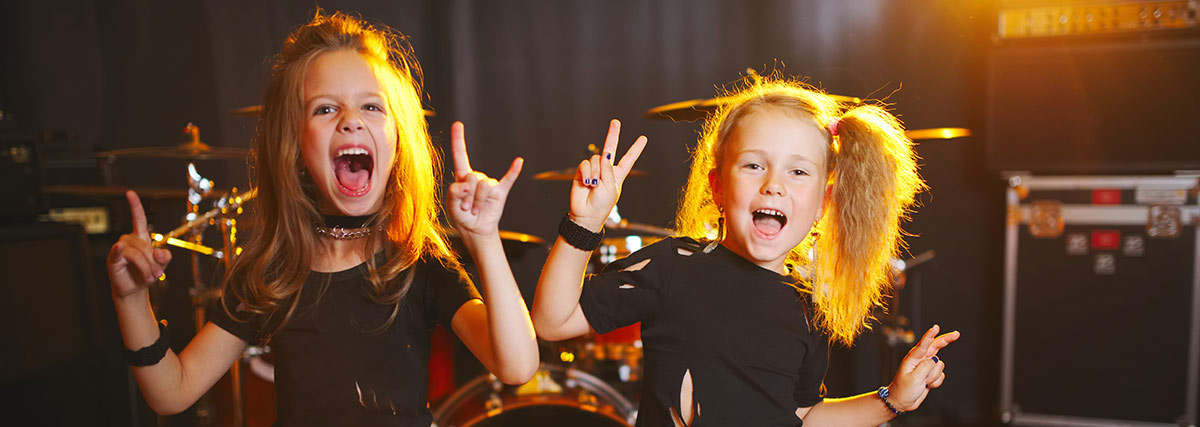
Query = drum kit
x=589 y=381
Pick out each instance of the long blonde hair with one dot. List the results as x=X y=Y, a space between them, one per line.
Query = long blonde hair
x=269 y=275
x=873 y=170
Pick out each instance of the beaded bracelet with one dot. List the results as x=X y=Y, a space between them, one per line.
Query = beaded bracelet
x=883 y=393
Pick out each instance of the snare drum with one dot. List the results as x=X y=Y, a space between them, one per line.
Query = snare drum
x=556 y=396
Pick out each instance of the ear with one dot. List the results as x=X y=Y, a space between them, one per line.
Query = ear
x=825 y=201
x=714 y=184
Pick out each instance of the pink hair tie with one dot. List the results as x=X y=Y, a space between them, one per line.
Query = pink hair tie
x=833 y=127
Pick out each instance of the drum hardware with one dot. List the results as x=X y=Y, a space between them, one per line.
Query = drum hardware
x=895 y=328
x=259 y=367
x=541 y=383
x=190 y=234
x=568 y=174
x=580 y=400
x=230 y=203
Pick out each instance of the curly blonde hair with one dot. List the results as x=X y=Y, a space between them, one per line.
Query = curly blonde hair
x=872 y=168
x=270 y=273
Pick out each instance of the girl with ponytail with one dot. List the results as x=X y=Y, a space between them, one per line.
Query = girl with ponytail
x=787 y=224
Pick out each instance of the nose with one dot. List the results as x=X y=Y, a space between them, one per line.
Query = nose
x=772 y=185
x=350 y=122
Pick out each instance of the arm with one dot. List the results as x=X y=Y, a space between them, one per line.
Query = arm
x=176 y=381
x=594 y=192
x=499 y=332
x=919 y=372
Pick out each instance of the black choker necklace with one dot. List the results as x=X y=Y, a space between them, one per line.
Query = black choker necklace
x=346 y=221
x=345 y=227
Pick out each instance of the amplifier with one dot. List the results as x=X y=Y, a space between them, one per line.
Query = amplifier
x=20 y=170
x=1113 y=104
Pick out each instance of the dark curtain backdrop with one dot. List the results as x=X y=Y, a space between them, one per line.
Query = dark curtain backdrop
x=540 y=79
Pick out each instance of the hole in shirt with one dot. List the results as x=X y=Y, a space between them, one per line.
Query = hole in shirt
x=637 y=266
x=689 y=408
x=685 y=251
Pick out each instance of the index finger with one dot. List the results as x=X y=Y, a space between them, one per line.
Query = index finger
x=927 y=339
x=139 y=215
x=610 y=140
x=458 y=146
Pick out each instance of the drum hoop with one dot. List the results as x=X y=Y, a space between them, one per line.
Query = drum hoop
x=619 y=404
x=605 y=410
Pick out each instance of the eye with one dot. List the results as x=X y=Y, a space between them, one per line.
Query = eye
x=323 y=109
x=752 y=166
x=373 y=107
x=799 y=172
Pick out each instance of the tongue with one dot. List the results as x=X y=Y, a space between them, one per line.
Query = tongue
x=767 y=224
x=351 y=175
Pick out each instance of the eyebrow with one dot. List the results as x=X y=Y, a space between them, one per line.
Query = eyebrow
x=767 y=154
x=356 y=96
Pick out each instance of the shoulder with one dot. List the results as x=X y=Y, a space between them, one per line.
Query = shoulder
x=678 y=245
x=438 y=270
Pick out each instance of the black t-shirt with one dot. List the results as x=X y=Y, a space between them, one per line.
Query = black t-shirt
x=330 y=369
x=738 y=331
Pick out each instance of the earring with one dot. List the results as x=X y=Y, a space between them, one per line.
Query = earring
x=720 y=234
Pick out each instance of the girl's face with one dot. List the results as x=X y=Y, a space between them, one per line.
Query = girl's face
x=771 y=185
x=349 y=136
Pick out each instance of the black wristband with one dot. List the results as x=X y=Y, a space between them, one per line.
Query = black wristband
x=151 y=354
x=578 y=236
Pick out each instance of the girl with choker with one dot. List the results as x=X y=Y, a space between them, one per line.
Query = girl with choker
x=350 y=271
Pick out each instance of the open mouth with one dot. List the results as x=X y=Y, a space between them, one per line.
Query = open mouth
x=769 y=221
x=352 y=167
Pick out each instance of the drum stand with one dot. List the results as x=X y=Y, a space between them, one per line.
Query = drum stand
x=223 y=214
x=896 y=329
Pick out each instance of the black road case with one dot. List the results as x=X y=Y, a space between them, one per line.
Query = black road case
x=1101 y=311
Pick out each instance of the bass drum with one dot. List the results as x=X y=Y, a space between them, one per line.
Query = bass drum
x=556 y=396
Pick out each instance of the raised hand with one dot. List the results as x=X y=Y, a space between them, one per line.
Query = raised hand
x=133 y=262
x=920 y=371
x=597 y=183
x=475 y=202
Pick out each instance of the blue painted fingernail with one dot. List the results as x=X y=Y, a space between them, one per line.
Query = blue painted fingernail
x=935 y=359
x=608 y=156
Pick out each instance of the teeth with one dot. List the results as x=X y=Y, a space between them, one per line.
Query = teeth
x=770 y=212
x=351 y=151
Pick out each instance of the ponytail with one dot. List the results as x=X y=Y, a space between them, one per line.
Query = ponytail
x=875 y=182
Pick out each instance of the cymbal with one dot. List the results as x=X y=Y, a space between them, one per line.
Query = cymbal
x=116 y=191
x=255 y=110
x=569 y=174
x=194 y=149
x=696 y=109
x=632 y=228
x=512 y=236
x=187 y=151
x=937 y=133
x=520 y=237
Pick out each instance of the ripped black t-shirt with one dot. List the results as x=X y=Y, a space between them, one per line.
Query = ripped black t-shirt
x=331 y=369
x=736 y=333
